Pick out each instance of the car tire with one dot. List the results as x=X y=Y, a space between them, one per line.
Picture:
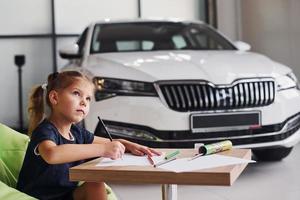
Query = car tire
x=274 y=154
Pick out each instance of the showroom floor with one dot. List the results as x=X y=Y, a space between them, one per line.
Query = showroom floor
x=260 y=181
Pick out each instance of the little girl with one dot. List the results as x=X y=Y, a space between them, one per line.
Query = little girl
x=57 y=143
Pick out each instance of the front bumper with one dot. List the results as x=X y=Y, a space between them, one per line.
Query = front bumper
x=166 y=128
x=284 y=134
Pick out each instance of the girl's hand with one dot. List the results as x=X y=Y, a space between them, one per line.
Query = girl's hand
x=139 y=150
x=113 y=150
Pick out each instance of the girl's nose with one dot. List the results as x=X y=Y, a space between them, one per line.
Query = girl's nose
x=83 y=102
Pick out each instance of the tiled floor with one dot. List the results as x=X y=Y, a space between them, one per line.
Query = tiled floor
x=260 y=181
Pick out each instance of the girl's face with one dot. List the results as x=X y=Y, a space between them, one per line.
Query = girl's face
x=73 y=103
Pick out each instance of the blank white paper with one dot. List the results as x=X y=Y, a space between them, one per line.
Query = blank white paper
x=129 y=159
x=203 y=162
x=178 y=165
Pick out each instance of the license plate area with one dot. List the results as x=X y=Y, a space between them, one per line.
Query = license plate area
x=214 y=122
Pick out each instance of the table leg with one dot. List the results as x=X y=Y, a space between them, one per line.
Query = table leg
x=169 y=192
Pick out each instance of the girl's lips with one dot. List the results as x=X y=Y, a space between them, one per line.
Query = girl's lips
x=82 y=111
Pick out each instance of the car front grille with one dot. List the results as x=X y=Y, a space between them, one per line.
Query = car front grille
x=197 y=96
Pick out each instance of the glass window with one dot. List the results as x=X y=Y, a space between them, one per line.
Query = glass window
x=179 y=41
x=153 y=36
x=134 y=45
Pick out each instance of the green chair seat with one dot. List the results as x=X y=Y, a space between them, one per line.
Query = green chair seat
x=9 y=193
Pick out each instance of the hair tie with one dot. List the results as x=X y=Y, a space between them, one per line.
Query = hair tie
x=44 y=86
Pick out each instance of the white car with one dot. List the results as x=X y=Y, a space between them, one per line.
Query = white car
x=176 y=83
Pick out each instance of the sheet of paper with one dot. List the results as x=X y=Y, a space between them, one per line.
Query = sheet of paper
x=203 y=162
x=129 y=159
x=178 y=165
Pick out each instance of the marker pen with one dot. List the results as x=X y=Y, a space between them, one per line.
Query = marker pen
x=215 y=147
x=172 y=154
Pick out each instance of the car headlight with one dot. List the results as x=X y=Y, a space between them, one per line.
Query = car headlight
x=132 y=133
x=286 y=82
x=110 y=87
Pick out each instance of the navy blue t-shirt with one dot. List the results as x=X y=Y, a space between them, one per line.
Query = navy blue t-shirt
x=45 y=181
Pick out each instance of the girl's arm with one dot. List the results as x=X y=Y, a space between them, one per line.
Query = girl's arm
x=138 y=149
x=58 y=154
x=100 y=140
x=132 y=147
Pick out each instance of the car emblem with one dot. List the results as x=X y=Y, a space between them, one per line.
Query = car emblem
x=224 y=95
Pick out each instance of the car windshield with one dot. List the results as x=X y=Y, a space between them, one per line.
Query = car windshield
x=153 y=36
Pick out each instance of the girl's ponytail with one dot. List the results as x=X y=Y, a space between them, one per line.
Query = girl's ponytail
x=35 y=108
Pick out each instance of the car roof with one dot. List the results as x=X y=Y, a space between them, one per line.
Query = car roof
x=142 y=20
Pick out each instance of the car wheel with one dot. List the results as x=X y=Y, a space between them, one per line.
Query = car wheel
x=274 y=154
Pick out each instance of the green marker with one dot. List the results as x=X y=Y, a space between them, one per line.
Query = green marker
x=172 y=154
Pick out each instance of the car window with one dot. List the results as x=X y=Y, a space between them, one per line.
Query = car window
x=153 y=36
x=81 y=41
x=134 y=45
x=95 y=43
x=205 y=40
x=179 y=41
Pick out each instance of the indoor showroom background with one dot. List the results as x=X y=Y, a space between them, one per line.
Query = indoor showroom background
x=38 y=28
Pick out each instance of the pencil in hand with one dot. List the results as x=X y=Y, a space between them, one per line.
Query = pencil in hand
x=106 y=131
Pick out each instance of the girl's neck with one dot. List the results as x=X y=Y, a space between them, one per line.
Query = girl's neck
x=62 y=125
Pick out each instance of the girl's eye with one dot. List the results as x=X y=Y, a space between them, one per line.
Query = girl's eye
x=88 y=98
x=76 y=93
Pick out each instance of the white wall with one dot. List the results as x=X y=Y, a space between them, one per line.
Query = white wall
x=228 y=16
x=182 y=9
x=34 y=72
x=17 y=17
x=24 y=17
x=272 y=27
x=74 y=16
x=34 y=17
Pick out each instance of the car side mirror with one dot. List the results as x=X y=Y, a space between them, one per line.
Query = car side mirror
x=242 y=46
x=70 y=52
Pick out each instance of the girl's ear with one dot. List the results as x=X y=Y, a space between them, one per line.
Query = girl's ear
x=53 y=97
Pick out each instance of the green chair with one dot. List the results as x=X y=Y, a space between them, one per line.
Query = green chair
x=13 y=146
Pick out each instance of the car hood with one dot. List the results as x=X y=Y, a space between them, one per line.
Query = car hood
x=218 y=67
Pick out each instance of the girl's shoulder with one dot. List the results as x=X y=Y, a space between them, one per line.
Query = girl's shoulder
x=45 y=128
x=45 y=125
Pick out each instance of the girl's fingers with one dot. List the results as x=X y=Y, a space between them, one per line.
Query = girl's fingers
x=141 y=150
x=122 y=151
x=121 y=146
x=150 y=151
x=155 y=151
x=138 y=152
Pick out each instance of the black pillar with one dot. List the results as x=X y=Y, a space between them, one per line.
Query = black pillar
x=20 y=61
x=211 y=16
